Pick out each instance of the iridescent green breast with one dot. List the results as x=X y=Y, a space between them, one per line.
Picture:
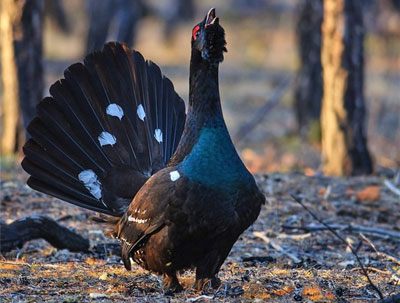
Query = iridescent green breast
x=214 y=161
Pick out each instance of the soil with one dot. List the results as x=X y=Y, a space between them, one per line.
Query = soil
x=292 y=266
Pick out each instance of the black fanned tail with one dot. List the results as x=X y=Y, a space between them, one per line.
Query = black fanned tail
x=110 y=124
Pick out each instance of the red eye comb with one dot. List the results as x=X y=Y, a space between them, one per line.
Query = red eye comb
x=195 y=30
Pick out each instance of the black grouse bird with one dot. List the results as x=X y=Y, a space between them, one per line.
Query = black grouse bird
x=113 y=138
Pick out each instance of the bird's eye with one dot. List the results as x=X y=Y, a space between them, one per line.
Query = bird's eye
x=196 y=32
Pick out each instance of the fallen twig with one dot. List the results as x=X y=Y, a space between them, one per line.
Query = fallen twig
x=380 y=254
x=276 y=246
x=392 y=188
x=343 y=241
x=393 y=235
x=382 y=272
x=14 y=235
x=18 y=263
x=294 y=237
x=202 y=297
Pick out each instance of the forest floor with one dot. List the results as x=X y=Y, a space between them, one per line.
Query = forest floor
x=276 y=260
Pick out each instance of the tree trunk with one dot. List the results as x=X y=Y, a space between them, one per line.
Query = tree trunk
x=28 y=49
x=344 y=144
x=22 y=71
x=308 y=88
x=9 y=80
x=119 y=15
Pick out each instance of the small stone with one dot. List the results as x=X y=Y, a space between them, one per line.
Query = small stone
x=96 y=295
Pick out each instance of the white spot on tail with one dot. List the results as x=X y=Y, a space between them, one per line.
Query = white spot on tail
x=140 y=112
x=158 y=135
x=91 y=182
x=106 y=138
x=174 y=175
x=137 y=220
x=115 y=110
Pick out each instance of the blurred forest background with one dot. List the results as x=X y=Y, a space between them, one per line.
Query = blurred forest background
x=266 y=96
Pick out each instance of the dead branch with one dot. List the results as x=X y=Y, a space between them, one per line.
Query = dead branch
x=297 y=237
x=14 y=235
x=380 y=232
x=380 y=254
x=386 y=256
x=343 y=241
x=391 y=187
x=276 y=246
x=382 y=272
x=260 y=113
x=199 y=298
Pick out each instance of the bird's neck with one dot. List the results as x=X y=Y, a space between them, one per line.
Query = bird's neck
x=204 y=106
x=204 y=99
x=206 y=153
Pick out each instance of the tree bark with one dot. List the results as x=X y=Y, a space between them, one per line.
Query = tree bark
x=9 y=79
x=22 y=72
x=308 y=86
x=344 y=144
x=28 y=43
x=120 y=15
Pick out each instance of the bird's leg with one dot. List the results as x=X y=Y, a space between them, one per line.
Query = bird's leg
x=208 y=268
x=202 y=283
x=206 y=272
x=171 y=283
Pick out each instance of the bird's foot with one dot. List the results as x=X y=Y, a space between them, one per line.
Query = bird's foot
x=207 y=283
x=171 y=285
x=171 y=290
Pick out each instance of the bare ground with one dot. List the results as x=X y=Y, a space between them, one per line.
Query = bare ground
x=255 y=271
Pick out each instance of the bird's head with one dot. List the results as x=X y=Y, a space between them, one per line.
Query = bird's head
x=208 y=39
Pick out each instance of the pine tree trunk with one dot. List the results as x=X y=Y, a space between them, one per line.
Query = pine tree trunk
x=9 y=79
x=308 y=88
x=121 y=16
x=22 y=72
x=344 y=144
x=28 y=43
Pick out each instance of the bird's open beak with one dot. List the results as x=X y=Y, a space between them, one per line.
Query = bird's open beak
x=211 y=18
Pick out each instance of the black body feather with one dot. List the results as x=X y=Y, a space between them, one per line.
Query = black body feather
x=190 y=214
x=192 y=195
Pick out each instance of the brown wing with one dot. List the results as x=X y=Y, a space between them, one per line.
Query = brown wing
x=146 y=214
